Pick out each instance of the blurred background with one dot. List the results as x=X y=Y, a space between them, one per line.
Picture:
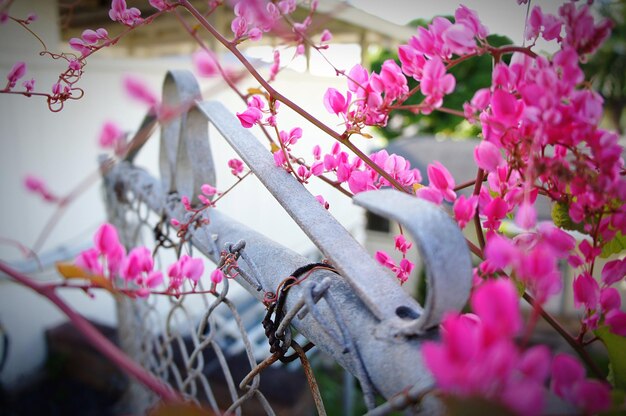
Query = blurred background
x=62 y=147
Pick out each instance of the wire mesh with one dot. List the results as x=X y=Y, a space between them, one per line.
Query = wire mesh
x=202 y=344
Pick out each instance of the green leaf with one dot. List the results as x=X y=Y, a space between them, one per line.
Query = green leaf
x=615 y=246
x=615 y=345
x=561 y=218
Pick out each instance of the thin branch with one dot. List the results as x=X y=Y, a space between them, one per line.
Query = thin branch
x=96 y=339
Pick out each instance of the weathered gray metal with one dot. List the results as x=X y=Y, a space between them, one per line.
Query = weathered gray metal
x=360 y=316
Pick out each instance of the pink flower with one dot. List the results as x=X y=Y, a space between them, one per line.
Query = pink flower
x=465 y=209
x=205 y=64
x=586 y=291
x=404 y=270
x=569 y=383
x=290 y=138
x=440 y=178
x=460 y=39
x=159 y=4
x=208 y=190
x=29 y=85
x=275 y=68
x=121 y=13
x=80 y=46
x=326 y=36
x=495 y=211
x=138 y=90
x=497 y=304
x=335 y=102
x=192 y=268
x=435 y=82
x=236 y=166
x=38 y=186
x=110 y=134
x=250 y=117
x=14 y=75
x=217 y=276
x=89 y=260
x=487 y=156
x=106 y=239
x=384 y=259
x=613 y=271
x=402 y=245
x=322 y=201
x=430 y=194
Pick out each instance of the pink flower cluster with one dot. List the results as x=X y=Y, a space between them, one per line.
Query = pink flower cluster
x=477 y=357
x=88 y=41
x=108 y=258
x=121 y=13
x=532 y=257
x=15 y=74
x=602 y=302
x=402 y=270
x=255 y=17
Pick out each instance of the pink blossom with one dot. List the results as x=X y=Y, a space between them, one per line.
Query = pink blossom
x=89 y=260
x=208 y=190
x=614 y=271
x=236 y=166
x=465 y=209
x=217 y=276
x=384 y=259
x=322 y=201
x=335 y=102
x=460 y=39
x=290 y=138
x=616 y=320
x=488 y=156
x=80 y=46
x=360 y=181
x=477 y=356
x=404 y=270
x=138 y=261
x=435 y=82
x=154 y=279
x=106 y=239
x=159 y=4
x=38 y=186
x=430 y=194
x=326 y=36
x=402 y=245
x=569 y=383
x=121 y=13
x=497 y=304
x=440 y=178
x=29 y=85
x=138 y=90
x=469 y=18
x=250 y=117
x=586 y=291
x=14 y=75
x=110 y=134
x=495 y=211
x=205 y=63
x=192 y=268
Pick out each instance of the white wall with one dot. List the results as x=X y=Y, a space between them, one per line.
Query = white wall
x=61 y=147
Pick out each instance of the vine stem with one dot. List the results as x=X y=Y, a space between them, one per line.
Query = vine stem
x=95 y=338
x=278 y=96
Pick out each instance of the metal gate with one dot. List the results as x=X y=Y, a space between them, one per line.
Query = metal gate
x=213 y=346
